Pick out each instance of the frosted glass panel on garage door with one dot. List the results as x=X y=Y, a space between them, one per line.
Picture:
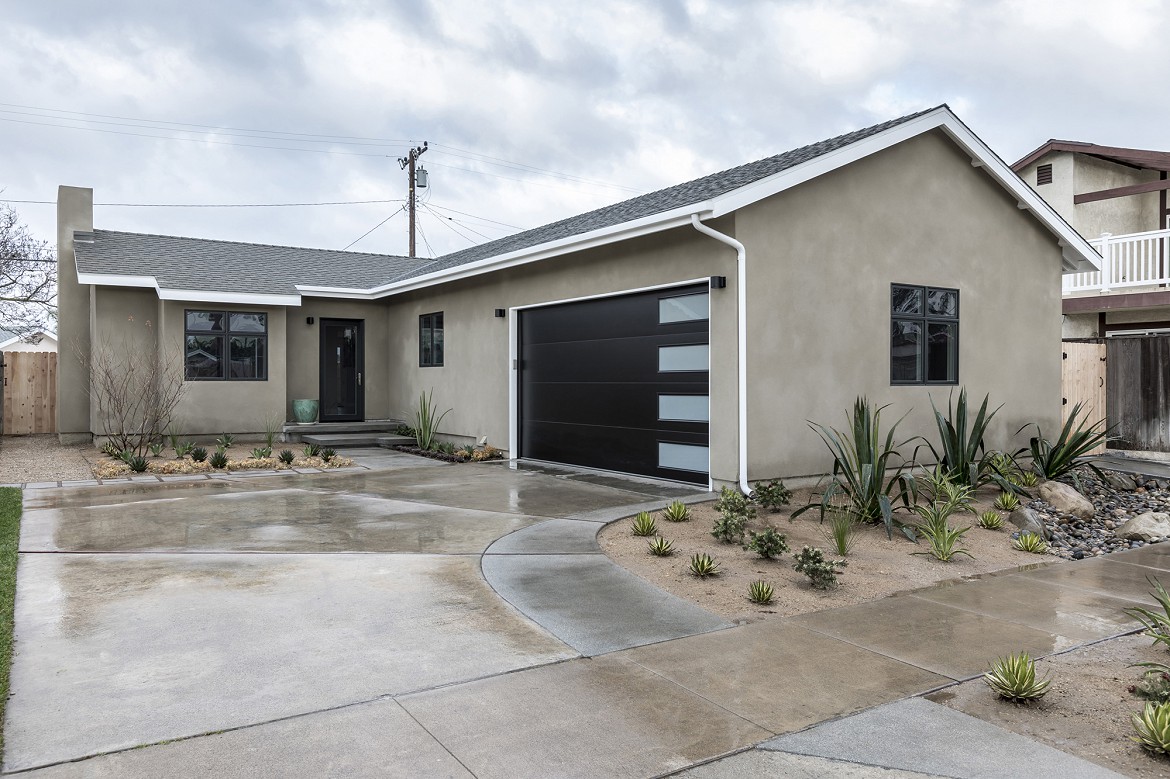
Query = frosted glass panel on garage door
x=684 y=408
x=683 y=308
x=683 y=457
x=682 y=358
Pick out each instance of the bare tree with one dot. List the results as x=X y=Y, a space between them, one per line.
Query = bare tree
x=28 y=278
x=135 y=390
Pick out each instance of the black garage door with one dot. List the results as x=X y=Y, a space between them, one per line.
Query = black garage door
x=618 y=383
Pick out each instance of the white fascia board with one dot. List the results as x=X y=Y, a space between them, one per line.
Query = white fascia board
x=1077 y=254
x=9 y=342
x=189 y=295
x=654 y=223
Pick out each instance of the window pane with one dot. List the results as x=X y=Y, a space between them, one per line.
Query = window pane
x=203 y=358
x=424 y=340
x=906 y=351
x=942 y=352
x=942 y=302
x=684 y=408
x=246 y=357
x=248 y=323
x=683 y=308
x=682 y=358
x=682 y=457
x=437 y=343
x=906 y=300
x=205 y=320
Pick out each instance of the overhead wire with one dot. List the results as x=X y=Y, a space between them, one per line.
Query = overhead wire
x=221 y=205
x=443 y=222
x=375 y=227
x=446 y=219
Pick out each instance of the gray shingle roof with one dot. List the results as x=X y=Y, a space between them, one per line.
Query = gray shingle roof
x=225 y=266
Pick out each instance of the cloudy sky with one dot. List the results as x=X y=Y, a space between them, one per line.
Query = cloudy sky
x=533 y=110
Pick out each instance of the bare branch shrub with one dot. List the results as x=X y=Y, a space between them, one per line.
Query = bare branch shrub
x=28 y=278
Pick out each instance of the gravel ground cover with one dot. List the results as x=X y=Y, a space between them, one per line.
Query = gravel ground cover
x=34 y=458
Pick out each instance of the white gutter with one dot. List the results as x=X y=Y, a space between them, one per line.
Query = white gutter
x=741 y=350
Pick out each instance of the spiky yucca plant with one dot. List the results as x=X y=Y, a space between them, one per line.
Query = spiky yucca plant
x=218 y=459
x=644 y=524
x=1153 y=727
x=760 y=592
x=1007 y=501
x=287 y=456
x=677 y=511
x=1030 y=542
x=703 y=565
x=1027 y=479
x=991 y=520
x=1014 y=678
x=660 y=547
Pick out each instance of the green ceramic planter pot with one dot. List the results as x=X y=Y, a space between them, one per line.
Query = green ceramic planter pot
x=305 y=411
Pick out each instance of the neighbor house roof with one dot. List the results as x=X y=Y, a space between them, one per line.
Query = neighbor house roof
x=181 y=268
x=1138 y=158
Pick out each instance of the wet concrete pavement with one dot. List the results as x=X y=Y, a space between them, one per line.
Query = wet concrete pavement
x=461 y=621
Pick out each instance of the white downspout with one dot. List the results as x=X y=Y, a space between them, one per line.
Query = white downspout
x=741 y=351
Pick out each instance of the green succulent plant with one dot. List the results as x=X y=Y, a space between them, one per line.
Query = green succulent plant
x=287 y=456
x=156 y=449
x=1156 y=624
x=1014 y=678
x=643 y=524
x=1030 y=542
x=137 y=463
x=312 y=450
x=327 y=455
x=991 y=520
x=198 y=454
x=261 y=453
x=1007 y=501
x=760 y=592
x=218 y=459
x=225 y=441
x=767 y=544
x=660 y=547
x=677 y=511
x=1026 y=479
x=184 y=449
x=1152 y=726
x=703 y=565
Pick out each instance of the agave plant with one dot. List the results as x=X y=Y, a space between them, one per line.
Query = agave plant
x=644 y=524
x=943 y=539
x=1007 y=501
x=660 y=547
x=1014 y=678
x=677 y=511
x=137 y=463
x=1053 y=459
x=225 y=441
x=312 y=450
x=1153 y=727
x=863 y=469
x=1157 y=625
x=1030 y=542
x=218 y=459
x=286 y=456
x=198 y=454
x=760 y=592
x=991 y=520
x=1027 y=479
x=703 y=565
x=156 y=449
x=961 y=450
x=327 y=455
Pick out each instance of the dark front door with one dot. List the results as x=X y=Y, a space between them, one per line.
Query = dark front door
x=618 y=383
x=342 y=362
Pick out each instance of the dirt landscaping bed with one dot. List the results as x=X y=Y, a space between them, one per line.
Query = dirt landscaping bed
x=877 y=566
x=1086 y=711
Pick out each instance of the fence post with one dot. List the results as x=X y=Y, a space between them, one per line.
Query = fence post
x=1107 y=262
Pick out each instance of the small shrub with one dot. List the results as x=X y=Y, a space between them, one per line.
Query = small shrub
x=261 y=452
x=768 y=544
x=327 y=455
x=772 y=495
x=991 y=520
x=660 y=547
x=643 y=524
x=312 y=450
x=198 y=454
x=218 y=459
x=1014 y=678
x=760 y=592
x=1007 y=501
x=729 y=528
x=287 y=456
x=703 y=565
x=1030 y=542
x=467 y=451
x=1156 y=624
x=225 y=441
x=1154 y=686
x=733 y=502
x=404 y=430
x=1153 y=727
x=677 y=511
x=137 y=463
x=841 y=532
x=822 y=573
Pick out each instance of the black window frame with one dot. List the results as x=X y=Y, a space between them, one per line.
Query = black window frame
x=225 y=336
x=426 y=340
x=924 y=319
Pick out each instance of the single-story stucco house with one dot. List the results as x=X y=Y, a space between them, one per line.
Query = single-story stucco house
x=687 y=334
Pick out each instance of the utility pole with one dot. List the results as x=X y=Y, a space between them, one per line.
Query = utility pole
x=408 y=162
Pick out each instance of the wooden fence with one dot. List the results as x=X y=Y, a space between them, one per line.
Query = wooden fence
x=1083 y=380
x=30 y=393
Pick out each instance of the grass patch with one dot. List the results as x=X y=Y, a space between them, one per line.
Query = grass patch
x=9 y=539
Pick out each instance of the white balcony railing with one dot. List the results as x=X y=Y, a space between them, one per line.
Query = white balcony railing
x=1133 y=260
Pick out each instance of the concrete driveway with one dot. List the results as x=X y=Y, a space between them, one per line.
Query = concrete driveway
x=148 y=613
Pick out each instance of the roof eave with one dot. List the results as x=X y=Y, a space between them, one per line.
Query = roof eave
x=188 y=295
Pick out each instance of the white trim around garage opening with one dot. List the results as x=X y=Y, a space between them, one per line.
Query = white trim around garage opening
x=514 y=356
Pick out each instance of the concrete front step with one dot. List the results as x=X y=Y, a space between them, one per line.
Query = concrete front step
x=335 y=440
x=369 y=426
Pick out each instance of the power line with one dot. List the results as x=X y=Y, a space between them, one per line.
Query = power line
x=509 y=163
x=445 y=219
x=473 y=216
x=428 y=243
x=375 y=227
x=443 y=222
x=219 y=205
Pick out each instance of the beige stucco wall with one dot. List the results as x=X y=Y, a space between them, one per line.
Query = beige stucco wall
x=1075 y=174
x=304 y=342
x=74 y=212
x=822 y=258
x=1079 y=326
x=214 y=407
x=473 y=382
x=123 y=321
